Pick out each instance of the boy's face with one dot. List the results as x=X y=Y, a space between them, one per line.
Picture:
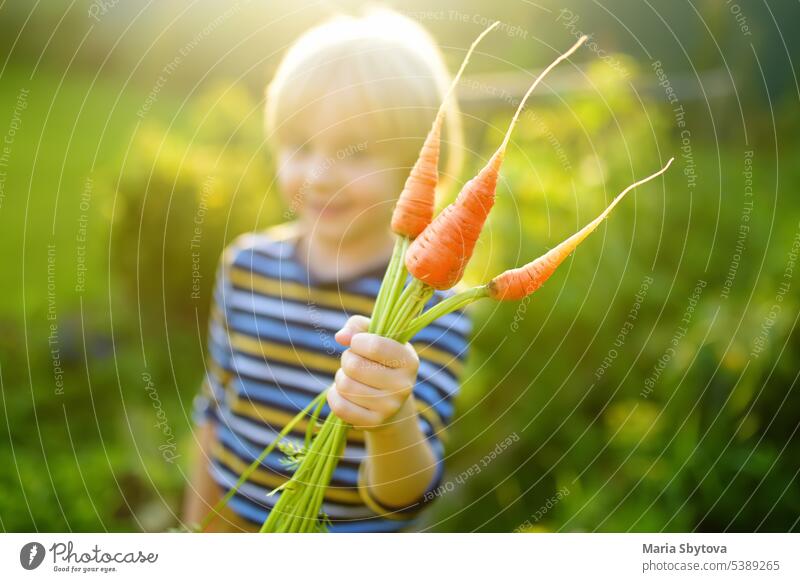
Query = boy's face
x=339 y=185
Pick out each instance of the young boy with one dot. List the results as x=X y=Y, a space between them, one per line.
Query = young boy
x=346 y=113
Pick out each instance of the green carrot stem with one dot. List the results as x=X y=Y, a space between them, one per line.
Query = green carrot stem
x=415 y=302
x=306 y=502
x=380 y=300
x=333 y=452
x=295 y=504
x=395 y=299
x=337 y=449
x=310 y=480
x=441 y=309
x=341 y=443
x=396 y=287
x=312 y=423
x=330 y=462
x=403 y=298
x=392 y=283
x=290 y=496
x=254 y=465
x=402 y=302
x=402 y=306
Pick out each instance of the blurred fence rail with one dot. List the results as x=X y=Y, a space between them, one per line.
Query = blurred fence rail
x=491 y=90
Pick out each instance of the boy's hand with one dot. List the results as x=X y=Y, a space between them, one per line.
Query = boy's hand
x=376 y=377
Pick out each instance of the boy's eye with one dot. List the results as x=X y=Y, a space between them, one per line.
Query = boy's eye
x=296 y=148
x=357 y=152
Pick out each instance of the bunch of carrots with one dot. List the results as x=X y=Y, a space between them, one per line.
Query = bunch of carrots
x=435 y=253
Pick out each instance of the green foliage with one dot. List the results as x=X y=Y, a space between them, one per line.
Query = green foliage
x=184 y=193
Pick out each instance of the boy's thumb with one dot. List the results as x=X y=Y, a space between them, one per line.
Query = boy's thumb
x=356 y=324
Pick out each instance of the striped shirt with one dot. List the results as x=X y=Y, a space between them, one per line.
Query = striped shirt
x=271 y=351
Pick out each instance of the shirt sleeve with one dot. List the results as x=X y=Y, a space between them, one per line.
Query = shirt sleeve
x=442 y=348
x=218 y=357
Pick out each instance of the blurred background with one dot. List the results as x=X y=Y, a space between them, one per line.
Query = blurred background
x=651 y=385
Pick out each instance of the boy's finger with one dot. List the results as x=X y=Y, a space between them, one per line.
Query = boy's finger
x=364 y=396
x=351 y=412
x=384 y=350
x=356 y=324
x=375 y=374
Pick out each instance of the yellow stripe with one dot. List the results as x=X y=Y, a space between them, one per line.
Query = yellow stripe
x=217 y=316
x=271 y=480
x=298 y=292
x=283 y=353
x=440 y=357
x=373 y=504
x=222 y=375
x=280 y=418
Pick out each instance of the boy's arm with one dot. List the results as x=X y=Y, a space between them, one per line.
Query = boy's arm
x=201 y=490
x=373 y=390
x=400 y=463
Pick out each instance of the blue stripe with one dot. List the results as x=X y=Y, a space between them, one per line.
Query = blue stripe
x=247 y=510
x=286 y=270
x=430 y=396
x=273 y=395
x=269 y=396
x=440 y=377
x=444 y=339
x=288 y=334
x=248 y=453
x=255 y=514
x=367 y=286
x=249 y=260
x=222 y=356
x=369 y=526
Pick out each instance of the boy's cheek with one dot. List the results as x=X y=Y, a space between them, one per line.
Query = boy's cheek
x=291 y=188
x=373 y=184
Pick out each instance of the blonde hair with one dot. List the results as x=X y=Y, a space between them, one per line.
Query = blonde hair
x=382 y=74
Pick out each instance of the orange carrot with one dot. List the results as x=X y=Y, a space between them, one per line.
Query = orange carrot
x=440 y=254
x=516 y=284
x=414 y=208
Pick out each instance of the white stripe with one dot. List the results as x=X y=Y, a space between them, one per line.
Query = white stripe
x=219 y=336
x=216 y=389
x=277 y=374
x=454 y=321
x=434 y=374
